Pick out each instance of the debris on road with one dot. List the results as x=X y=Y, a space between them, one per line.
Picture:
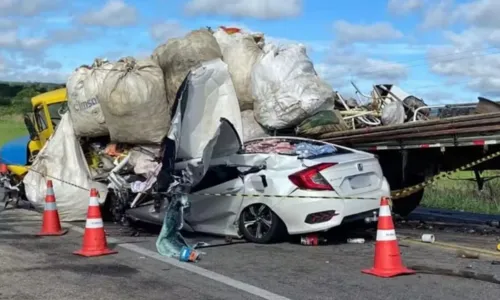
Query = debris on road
x=457 y=273
x=312 y=240
x=428 y=238
x=356 y=241
x=467 y=254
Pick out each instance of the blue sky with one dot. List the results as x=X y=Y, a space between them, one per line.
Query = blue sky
x=440 y=50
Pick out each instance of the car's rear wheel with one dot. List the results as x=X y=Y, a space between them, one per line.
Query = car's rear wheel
x=259 y=224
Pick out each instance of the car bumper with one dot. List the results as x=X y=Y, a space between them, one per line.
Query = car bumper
x=294 y=211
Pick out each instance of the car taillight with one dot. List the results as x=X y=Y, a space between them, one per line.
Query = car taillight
x=311 y=179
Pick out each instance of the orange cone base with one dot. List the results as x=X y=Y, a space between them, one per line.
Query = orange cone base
x=92 y=253
x=388 y=273
x=56 y=233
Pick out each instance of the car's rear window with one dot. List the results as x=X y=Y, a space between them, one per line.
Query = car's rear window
x=295 y=147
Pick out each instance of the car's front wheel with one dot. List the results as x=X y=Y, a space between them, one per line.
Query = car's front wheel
x=259 y=224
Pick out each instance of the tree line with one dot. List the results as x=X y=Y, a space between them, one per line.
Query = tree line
x=15 y=98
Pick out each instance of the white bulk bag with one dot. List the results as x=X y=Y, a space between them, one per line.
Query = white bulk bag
x=287 y=89
x=134 y=103
x=240 y=52
x=179 y=55
x=82 y=90
x=251 y=128
x=62 y=161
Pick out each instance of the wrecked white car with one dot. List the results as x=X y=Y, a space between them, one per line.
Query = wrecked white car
x=261 y=189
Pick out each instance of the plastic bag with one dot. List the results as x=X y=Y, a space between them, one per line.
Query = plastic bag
x=393 y=113
x=286 y=88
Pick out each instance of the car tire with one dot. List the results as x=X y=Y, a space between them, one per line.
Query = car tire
x=404 y=206
x=272 y=227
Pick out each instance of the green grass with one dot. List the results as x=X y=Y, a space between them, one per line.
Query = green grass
x=458 y=193
x=11 y=127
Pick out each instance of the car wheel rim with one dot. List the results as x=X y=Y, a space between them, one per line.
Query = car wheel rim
x=257 y=220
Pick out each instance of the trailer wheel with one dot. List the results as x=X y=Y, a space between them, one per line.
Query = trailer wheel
x=404 y=206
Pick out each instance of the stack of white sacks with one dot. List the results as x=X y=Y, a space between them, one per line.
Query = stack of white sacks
x=131 y=100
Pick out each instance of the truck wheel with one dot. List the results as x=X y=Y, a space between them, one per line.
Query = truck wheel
x=404 y=206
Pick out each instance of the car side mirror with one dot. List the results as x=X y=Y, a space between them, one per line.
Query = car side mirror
x=30 y=127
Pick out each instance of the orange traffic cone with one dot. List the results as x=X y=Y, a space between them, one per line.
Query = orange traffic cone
x=94 y=237
x=51 y=225
x=388 y=261
x=3 y=169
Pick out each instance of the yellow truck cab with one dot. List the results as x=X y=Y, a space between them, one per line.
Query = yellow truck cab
x=40 y=123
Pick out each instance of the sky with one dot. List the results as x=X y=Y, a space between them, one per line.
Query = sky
x=443 y=51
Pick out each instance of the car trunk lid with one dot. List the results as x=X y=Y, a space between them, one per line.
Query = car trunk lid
x=353 y=173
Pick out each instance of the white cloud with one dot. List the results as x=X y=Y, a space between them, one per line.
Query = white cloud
x=482 y=13
x=404 y=7
x=345 y=64
x=258 y=9
x=52 y=65
x=439 y=14
x=7 y=24
x=161 y=32
x=346 y=32
x=478 y=70
x=114 y=13
x=26 y=8
x=10 y=40
x=70 y=35
x=35 y=75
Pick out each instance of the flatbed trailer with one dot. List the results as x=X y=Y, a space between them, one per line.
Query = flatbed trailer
x=413 y=152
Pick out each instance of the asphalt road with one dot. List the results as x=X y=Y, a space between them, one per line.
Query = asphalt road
x=45 y=268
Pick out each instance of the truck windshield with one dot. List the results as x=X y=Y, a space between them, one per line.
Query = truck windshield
x=56 y=110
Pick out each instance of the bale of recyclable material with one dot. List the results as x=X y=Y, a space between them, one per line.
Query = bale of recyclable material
x=179 y=55
x=83 y=87
x=133 y=102
x=240 y=51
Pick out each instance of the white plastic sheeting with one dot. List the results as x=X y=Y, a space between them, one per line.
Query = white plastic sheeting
x=62 y=158
x=286 y=88
x=211 y=96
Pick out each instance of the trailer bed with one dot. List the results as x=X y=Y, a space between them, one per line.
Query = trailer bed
x=469 y=130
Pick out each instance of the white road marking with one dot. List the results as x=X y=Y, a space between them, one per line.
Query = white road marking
x=256 y=291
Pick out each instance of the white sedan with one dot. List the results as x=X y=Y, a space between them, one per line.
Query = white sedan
x=270 y=191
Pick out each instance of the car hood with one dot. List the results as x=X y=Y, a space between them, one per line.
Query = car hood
x=14 y=151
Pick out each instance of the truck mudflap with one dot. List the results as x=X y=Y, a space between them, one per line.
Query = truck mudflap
x=402 y=193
